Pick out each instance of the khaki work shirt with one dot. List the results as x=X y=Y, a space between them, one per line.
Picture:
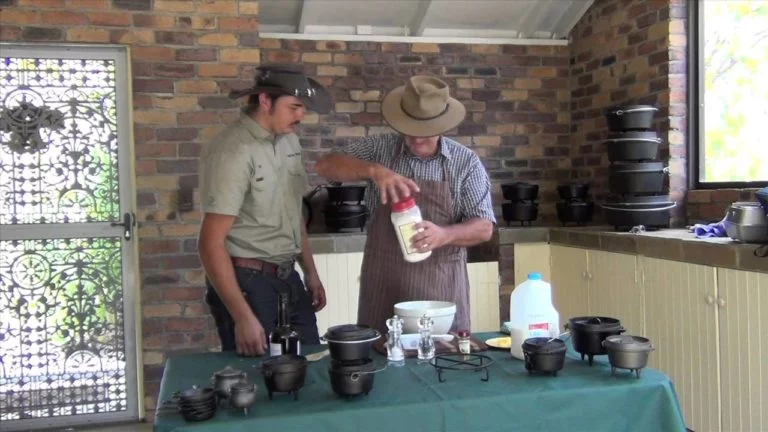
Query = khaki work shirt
x=249 y=173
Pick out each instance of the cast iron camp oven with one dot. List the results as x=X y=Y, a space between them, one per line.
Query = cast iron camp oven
x=224 y=379
x=636 y=177
x=522 y=212
x=630 y=117
x=543 y=355
x=337 y=193
x=627 y=352
x=588 y=333
x=575 y=211
x=573 y=191
x=633 y=146
x=651 y=211
x=349 y=379
x=197 y=404
x=284 y=374
x=343 y=216
x=350 y=342
x=520 y=191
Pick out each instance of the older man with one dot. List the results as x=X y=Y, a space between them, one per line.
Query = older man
x=450 y=186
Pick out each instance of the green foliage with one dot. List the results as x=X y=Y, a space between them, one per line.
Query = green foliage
x=735 y=91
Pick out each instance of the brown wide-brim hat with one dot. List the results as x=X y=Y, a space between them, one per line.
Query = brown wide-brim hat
x=422 y=107
x=288 y=80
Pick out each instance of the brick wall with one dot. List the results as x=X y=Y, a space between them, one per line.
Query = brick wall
x=627 y=52
x=706 y=206
x=516 y=98
x=185 y=57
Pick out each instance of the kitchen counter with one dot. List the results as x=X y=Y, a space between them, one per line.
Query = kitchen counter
x=670 y=244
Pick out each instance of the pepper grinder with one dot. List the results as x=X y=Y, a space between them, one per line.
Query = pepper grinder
x=395 y=354
x=426 y=344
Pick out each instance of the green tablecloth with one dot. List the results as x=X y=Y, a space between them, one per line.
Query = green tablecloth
x=410 y=398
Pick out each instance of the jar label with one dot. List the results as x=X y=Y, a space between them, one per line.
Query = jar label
x=407 y=231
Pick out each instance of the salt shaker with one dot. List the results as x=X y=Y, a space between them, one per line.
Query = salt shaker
x=426 y=344
x=395 y=354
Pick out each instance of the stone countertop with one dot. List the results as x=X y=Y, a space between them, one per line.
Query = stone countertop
x=670 y=244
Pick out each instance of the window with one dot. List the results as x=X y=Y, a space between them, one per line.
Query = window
x=729 y=70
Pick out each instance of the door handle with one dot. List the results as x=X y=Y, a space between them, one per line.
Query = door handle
x=129 y=221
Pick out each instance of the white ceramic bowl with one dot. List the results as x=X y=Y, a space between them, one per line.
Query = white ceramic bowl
x=441 y=312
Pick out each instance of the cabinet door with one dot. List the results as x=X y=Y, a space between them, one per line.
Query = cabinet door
x=613 y=289
x=681 y=322
x=340 y=273
x=532 y=257
x=569 y=283
x=484 y=296
x=743 y=320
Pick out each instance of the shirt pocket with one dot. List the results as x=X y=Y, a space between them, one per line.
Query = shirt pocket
x=264 y=191
x=297 y=176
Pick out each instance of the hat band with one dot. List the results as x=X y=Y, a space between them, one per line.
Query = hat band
x=423 y=118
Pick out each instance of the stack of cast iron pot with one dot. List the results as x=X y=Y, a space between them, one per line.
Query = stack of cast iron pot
x=351 y=369
x=636 y=176
x=575 y=205
x=522 y=206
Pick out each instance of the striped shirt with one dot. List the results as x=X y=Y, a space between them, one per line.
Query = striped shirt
x=470 y=184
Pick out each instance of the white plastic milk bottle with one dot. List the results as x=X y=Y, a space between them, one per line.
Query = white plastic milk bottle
x=531 y=313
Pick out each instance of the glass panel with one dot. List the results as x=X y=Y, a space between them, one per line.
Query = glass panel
x=58 y=141
x=61 y=328
x=735 y=91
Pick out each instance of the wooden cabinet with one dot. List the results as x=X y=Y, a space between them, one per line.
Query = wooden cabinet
x=681 y=322
x=589 y=282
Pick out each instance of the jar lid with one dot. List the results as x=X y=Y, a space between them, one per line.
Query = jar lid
x=404 y=205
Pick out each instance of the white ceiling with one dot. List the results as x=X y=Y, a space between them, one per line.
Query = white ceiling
x=500 y=19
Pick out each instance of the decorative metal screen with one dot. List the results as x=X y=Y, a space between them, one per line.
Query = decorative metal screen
x=63 y=313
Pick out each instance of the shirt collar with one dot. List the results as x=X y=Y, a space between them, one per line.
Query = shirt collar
x=255 y=128
x=445 y=148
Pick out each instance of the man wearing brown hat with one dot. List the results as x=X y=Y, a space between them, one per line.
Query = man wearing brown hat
x=251 y=182
x=450 y=186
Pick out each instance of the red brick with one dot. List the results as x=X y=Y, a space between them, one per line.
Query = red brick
x=110 y=19
x=239 y=24
x=64 y=18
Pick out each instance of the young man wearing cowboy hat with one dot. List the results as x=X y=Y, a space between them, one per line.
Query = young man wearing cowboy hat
x=450 y=185
x=252 y=179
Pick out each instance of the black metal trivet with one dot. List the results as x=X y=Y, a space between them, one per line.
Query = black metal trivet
x=461 y=362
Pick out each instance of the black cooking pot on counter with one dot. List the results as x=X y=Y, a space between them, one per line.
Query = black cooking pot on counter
x=589 y=332
x=520 y=191
x=350 y=342
x=520 y=212
x=630 y=117
x=636 y=177
x=575 y=211
x=573 y=191
x=543 y=355
x=284 y=374
x=651 y=211
x=633 y=146
x=349 y=379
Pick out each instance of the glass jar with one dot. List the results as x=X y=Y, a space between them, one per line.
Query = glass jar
x=464 y=345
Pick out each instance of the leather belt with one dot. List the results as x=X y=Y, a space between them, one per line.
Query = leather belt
x=282 y=271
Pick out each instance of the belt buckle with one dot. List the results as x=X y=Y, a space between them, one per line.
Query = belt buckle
x=284 y=270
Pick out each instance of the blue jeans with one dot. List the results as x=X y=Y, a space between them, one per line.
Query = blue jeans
x=262 y=291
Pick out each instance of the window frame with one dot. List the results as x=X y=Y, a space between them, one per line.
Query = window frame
x=695 y=122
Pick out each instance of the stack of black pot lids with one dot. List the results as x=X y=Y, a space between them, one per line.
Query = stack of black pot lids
x=351 y=369
x=197 y=404
x=575 y=205
x=636 y=177
x=522 y=206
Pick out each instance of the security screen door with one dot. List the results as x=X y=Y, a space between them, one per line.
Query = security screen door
x=68 y=285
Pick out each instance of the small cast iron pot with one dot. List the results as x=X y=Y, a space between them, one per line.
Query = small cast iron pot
x=631 y=117
x=284 y=373
x=520 y=191
x=520 y=211
x=544 y=356
x=224 y=379
x=349 y=380
x=350 y=342
x=575 y=211
x=628 y=352
x=589 y=332
x=572 y=191
x=242 y=395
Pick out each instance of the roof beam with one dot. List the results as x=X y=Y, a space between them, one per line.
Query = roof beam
x=417 y=24
x=572 y=16
x=536 y=16
x=303 y=16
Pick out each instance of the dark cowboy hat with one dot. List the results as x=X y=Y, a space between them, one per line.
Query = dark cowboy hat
x=288 y=80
